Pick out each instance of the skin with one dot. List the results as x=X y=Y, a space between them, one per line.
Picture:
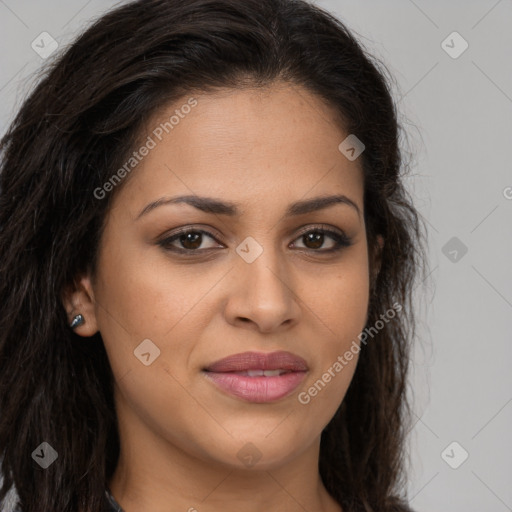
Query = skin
x=180 y=435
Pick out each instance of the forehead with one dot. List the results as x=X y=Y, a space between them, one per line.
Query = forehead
x=271 y=145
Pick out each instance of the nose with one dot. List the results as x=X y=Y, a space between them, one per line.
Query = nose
x=261 y=294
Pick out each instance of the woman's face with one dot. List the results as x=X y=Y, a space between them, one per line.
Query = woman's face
x=254 y=274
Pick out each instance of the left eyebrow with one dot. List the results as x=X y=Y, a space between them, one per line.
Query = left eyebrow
x=216 y=206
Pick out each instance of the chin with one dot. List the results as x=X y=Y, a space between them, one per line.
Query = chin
x=259 y=451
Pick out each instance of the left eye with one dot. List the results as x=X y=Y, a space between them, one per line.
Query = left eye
x=316 y=237
x=191 y=240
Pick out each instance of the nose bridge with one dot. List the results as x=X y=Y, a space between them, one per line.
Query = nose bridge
x=261 y=291
x=262 y=266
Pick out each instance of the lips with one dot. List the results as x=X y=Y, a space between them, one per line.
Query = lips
x=258 y=377
x=259 y=361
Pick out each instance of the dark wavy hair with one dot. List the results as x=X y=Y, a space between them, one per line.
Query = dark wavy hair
x=77 y=126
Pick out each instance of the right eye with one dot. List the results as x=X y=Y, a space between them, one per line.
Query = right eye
x=189 y=239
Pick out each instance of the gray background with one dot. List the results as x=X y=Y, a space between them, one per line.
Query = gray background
x=458 y=113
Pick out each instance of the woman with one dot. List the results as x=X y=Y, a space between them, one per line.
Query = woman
x=207 y=262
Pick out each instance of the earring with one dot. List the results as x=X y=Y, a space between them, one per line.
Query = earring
x=78 y=320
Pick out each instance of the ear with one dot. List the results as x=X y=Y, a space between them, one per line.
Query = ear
x=78 y=298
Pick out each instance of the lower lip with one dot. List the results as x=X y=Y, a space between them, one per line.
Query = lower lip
x=257 y=389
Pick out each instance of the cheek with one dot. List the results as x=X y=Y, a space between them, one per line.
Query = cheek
x=342 y=314
x=145 y=295
x=343 y=302
x=142 y=298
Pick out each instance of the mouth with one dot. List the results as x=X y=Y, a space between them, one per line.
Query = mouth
x=260 y=373
x=258 y=377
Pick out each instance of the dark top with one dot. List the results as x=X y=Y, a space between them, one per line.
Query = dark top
x=113 y=505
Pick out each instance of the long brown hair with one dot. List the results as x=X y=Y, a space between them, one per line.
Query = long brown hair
x=71 y=134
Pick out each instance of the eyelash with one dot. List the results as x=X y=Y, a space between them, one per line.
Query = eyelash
x=342 y=241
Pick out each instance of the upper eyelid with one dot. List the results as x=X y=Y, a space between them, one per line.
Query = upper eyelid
x=212 y=231
x=213 y=236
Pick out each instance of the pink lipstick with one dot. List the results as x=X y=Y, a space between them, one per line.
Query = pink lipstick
x=258 y=377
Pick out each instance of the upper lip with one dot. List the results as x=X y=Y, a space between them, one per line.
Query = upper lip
x=259 y=361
